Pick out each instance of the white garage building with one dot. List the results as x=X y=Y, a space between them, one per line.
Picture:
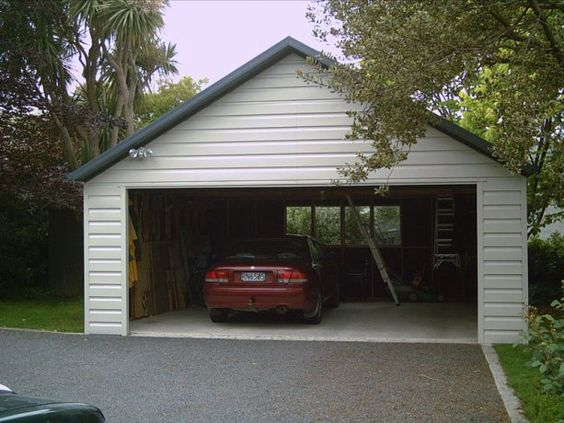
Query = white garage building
x=237 y=155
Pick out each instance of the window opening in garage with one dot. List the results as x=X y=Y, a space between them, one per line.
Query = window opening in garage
x=328 y=224
x=328 y=228
x=352 y=233
x=298 y=220
x=387 y=228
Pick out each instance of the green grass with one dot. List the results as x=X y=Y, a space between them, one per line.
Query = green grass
x=54 y=314
x=525 y=381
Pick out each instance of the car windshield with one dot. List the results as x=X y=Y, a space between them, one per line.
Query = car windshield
x=273 y=249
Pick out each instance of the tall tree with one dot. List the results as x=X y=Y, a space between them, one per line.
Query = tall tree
x=117 y=46
x=501 y=60
x=169 y=94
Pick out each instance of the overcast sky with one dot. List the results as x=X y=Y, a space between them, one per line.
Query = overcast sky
x=214 y=38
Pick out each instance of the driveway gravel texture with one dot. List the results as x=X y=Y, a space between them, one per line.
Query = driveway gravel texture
x=135 y=379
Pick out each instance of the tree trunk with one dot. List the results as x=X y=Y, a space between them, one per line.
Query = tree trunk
x=129 y=110
x=68 y=148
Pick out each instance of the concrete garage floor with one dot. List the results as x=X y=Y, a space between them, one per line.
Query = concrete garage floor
x=362 y=322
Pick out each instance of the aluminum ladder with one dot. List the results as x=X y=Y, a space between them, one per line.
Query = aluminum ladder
x=443 y=245
x=376 y=254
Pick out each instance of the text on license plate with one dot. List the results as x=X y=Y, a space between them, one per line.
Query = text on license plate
x=253 y=276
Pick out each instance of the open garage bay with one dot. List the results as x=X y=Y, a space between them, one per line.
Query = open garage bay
x=363 y=322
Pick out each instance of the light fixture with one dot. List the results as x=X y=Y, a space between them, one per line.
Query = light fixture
x=140 y=153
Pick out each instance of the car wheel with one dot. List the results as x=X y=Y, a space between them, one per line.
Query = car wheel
x=314 y=318
x=217 y=315
x=335 y=299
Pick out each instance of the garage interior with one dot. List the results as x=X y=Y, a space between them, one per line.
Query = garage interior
x=426 y=234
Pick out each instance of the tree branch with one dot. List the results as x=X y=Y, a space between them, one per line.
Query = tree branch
x=547 y=32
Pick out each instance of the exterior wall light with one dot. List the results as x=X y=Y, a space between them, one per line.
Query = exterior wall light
x=140 y=153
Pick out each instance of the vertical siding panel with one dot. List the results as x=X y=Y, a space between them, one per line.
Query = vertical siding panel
x=525 y=229
x=480 y=258
x=504 y=259
x=105 y=310
x=125 y=263
x=86 y=252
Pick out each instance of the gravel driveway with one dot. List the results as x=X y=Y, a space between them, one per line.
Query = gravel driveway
x=135 y=379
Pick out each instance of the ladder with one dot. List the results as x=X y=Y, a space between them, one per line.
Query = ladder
x=443 y=245
x=375 y=251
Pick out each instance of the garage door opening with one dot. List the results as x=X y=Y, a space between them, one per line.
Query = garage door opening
x=427 y=236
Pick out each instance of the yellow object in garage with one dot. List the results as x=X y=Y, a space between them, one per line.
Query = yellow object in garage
x=133 y=277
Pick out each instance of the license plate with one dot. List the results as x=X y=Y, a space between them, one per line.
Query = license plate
x=253 y=276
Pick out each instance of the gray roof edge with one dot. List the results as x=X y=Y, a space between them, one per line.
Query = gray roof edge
x=463 y=135
x=195 y=104
x=473 y=141
x=228 y=83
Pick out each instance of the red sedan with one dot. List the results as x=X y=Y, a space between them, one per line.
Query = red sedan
x=284 y=274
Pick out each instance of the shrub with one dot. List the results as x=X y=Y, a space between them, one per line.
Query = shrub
x=545 y=337
x=546 y=261
x=23 y=249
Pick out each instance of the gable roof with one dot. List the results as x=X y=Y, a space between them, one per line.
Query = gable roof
x=236 y=78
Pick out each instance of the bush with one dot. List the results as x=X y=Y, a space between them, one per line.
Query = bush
x=23 y=249
x=546 y=261
x=545 y=337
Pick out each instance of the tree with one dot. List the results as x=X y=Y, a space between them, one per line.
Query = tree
x=115 y=42
x=497 y=67
x=478 y=106
x=169 y=95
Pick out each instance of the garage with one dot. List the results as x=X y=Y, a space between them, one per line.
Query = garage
x=256 y=154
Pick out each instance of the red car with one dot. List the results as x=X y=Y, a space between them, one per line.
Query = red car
x=288 y=273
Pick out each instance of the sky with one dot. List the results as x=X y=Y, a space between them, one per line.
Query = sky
x=214 y=38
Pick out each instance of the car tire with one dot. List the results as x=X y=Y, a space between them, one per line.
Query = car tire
x=217 y=315
x=314 y=318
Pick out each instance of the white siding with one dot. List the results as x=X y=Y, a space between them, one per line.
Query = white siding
x=504 y=252
x=276 y=130
x=104 y=258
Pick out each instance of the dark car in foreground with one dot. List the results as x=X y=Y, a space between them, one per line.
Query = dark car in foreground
x=23 y=409
x=286 y=273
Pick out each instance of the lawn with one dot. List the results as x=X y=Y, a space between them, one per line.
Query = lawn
x=54 y=314
x=525 y=381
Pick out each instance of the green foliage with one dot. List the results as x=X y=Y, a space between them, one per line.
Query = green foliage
x=537 y=406
x=114 y=43
x=23 y=248
x=298 y=220
x=168 y=96
x=353 y=234
x=545 y=337
x=499 y=65
x=480 y=106
x=328 y=224
x=546 y=261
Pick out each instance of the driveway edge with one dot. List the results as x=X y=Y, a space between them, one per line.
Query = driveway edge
x=510 y=400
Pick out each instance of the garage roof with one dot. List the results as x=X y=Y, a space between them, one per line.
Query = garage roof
x=228 y=83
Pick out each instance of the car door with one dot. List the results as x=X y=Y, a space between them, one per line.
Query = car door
x=326 y=269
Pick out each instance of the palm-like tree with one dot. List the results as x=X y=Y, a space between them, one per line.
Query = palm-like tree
x=125 y=53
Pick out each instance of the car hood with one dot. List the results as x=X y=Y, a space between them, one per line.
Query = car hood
x=20 y=406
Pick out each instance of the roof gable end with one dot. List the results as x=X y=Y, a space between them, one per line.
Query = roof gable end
x=227 y=84
x=201 y=100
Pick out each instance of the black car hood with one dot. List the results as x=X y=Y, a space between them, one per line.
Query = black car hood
x=20 y=408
